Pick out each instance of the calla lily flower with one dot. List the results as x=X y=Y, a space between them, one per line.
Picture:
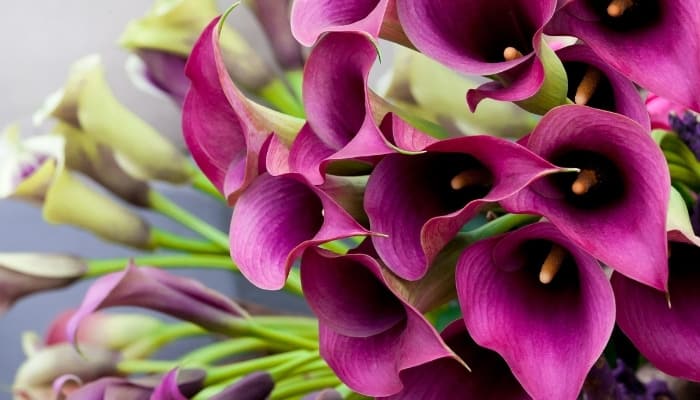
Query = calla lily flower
x=224 y=130
x=24 y=274
x=163 y=39
x=255 y=386
x=179 y=385
x=629 y=34
x=660 y=109
x=87 y=103
x=489 y=379
x=341 y=122
x=150 y=288
x=311 y=18
x=594 y=83
x=536 y=298
x=36 y=375
x=26 y=166
x=460 y=35
x=663 y=326
x=615 y=207
x=266 y=239
x=111 y=331
x=421 y=201
x=368 y=335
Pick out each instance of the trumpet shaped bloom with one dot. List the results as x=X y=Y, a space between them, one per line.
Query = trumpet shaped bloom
x=537 y=299
x=266 y=238
x=368 y=335
x=255 y=386
x=630 y=36
x=489 y=379
x=160 y=291
x=421 y=201
x=615 y=206
x=224 y=130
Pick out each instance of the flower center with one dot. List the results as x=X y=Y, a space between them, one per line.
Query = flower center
x=459 y=179
x=593 y=88
x=627 y=15
x=552 y=263
x=598 y=183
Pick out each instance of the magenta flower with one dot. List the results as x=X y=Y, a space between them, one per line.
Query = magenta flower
x=223 y=130
x=537 y=299
x=660 y=109
x=151 y=288
x=266 y=238
x=175 y=385
x=311 y=18
x=665 y=327
x=273 y=16
x=489 y=379
x=615 y=207
x=421 y=201
x=653 y=43
x=179 y=385
x=368 y=334
x=161 y=70
x=594 y=83
x=461 y=35
x=255 y=386
x=341 y=123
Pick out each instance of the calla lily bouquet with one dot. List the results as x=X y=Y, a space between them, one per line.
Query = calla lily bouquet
x=504 y=216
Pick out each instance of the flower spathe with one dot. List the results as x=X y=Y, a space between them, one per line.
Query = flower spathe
x=411 y=198
x=620 y=219
x=367 y=334
x=489 y=379
x=267 y=239
x=224 y=130
x=561 y=326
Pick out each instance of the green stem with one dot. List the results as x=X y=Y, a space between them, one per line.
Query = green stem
x=686 y=193
x=304 y=387
x=280 y=337
x=163 y=205
x=217 y=351
x=204 y=185
x=169 y=240
x=287 y=322
x=284 y=369
x=129 y=367
x=106 y=266
x=225 y=372
x=682 y=174
x=148 y=345
x=295 y=78
x=317 y=365
x=499 y=225
x=278 y=95
x=673 y=158
x=299 y=377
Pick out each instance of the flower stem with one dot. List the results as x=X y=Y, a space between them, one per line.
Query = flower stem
x=216 y=351
x=106 y=266
x=303 y=387
x=165 y=206
x=225 y=372
x=128 y=367
x=283 y=370
x=280 y=337
x=204 y=185
x=295 y=78
x=169 y=240
x=499 y=225
x=148 y=345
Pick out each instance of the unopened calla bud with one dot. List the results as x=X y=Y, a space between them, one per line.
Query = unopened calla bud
x=71 y=201
x=22 y=274
x=87 y=103
x=38 y=372
x=273 y=16
x=255 y=386
x=112 y=331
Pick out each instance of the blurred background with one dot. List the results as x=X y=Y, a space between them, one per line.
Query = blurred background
x=38 y=43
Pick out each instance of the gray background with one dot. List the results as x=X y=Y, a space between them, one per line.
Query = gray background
x=37 y=46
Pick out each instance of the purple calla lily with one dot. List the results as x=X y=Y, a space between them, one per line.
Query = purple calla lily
x=161 y=72
x=158 y=290
x=341 y=122
x=311 y=18
x=615 y=207
x=255 y=386
x=654 y=43
x=266 y=239
x=594 y=83
x=179 y=385
x=460 y=35
x=421 y=201
x=490 y=378
x=537 y=299
x=223 y=130
x=368 y=335
x=273 y=16
x=665 y=328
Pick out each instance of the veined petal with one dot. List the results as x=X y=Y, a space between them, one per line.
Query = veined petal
x=311 y=18
x=620 y=219
x=561 y=327
x=267 y=238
